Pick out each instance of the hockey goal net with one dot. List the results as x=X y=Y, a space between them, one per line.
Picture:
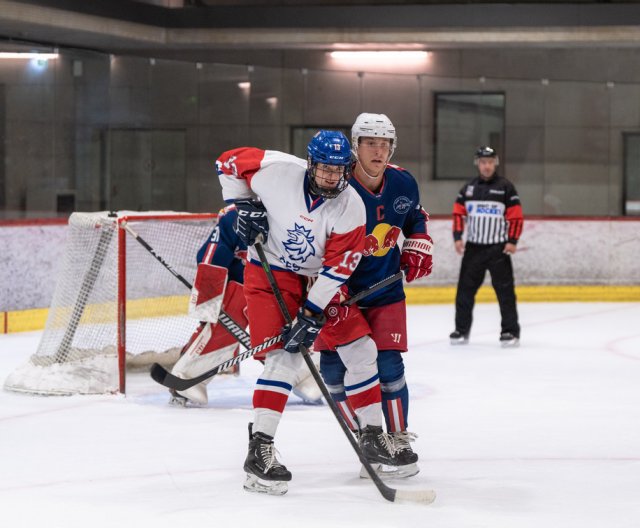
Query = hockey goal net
x=115 y=305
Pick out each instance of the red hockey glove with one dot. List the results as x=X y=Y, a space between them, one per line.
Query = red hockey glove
x=334 y=311
x=416 y=259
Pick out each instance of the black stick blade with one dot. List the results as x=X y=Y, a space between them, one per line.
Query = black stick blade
x=158 y=373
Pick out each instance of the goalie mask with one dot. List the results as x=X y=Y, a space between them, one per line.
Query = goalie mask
x=373 y=126
x=328 y=163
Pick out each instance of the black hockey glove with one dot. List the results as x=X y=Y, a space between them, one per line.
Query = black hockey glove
x=303 y=331
x=251 y=222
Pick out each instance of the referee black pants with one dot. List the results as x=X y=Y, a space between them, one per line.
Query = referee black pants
x=477 y=259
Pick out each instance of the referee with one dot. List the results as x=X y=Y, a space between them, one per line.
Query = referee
x=494 y=221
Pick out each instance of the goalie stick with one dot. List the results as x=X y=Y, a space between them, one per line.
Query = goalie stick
x=391 y=494
x=227 y=322
x=164 y=377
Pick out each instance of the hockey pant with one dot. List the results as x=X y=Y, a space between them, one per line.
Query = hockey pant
x=211 y=345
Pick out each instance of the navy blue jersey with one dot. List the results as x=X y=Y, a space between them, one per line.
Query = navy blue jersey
x=395 y=208
x=224 y=247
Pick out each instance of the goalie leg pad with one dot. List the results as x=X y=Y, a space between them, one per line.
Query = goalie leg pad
x=208 y=292
x=305 y=387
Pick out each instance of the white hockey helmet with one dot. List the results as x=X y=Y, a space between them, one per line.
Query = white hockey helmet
x=373 y=125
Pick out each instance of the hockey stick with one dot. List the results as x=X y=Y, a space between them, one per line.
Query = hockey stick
x=391 y=494
x=374 y=288
x=227 y=322
x=164 y=377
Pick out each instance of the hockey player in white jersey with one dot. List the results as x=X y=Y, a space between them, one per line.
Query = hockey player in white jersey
x=313 y=226
x=219 y=284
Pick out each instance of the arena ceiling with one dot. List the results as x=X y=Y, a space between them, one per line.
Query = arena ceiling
x=191 y=28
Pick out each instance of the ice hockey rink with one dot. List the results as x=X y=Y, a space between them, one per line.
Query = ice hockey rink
x=544 y=435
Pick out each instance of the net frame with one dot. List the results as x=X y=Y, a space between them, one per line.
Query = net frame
x=101 y=261
x=122 y=279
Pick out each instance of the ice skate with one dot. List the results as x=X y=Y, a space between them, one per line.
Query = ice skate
x=403 y=454
x=265 y=474
x=458 y=338
x=384 y=455
x=509 y=340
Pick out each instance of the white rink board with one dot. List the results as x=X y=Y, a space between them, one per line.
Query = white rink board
x=550 y=252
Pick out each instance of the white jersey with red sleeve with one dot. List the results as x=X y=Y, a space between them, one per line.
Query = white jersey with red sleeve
x=308 y=235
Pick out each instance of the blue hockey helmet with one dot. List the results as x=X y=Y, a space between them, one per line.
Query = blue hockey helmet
x=332 y=148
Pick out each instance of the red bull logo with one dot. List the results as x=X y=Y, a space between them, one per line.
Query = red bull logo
x=383 y=238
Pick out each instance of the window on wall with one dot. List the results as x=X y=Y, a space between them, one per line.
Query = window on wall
x=301 y=135
x=463 y=122
x=631 y=185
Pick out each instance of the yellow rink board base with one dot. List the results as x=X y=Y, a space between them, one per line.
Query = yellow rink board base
x=31 y=320
x=567 y=293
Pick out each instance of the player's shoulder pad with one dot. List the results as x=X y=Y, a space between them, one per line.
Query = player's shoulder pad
x=350 y=198
x=400 y=176
x=395 y=171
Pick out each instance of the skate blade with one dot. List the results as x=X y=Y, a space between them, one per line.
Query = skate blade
x=461 y=341
x=514 y=343
x=391 y=472
x=181 y=401
x=178 y=401
x=255 y=484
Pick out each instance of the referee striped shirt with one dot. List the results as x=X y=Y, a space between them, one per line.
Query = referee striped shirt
x=492 y=211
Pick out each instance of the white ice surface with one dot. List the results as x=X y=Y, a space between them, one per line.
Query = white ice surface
x=547 y=435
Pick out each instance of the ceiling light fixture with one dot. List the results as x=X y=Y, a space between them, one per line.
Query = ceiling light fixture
x=380 y=58
x=27 y=55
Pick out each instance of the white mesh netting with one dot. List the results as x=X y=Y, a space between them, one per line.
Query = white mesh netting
x=77 y=352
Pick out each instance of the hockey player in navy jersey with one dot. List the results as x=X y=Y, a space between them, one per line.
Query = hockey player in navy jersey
x=313 y=224
x=392 y=202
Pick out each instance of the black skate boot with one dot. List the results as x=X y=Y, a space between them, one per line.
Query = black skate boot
x=401 y=441
x=459 y=338
x=264 y=473
x=405 y=454
x=383 y=453
x=380 y=451
x=509 y=340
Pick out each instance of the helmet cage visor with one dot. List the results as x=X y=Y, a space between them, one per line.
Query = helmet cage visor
x=318 y=176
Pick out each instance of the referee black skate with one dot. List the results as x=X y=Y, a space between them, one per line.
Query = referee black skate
x=494 y=221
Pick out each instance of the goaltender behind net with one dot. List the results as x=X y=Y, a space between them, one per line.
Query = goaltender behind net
x=219 y=284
